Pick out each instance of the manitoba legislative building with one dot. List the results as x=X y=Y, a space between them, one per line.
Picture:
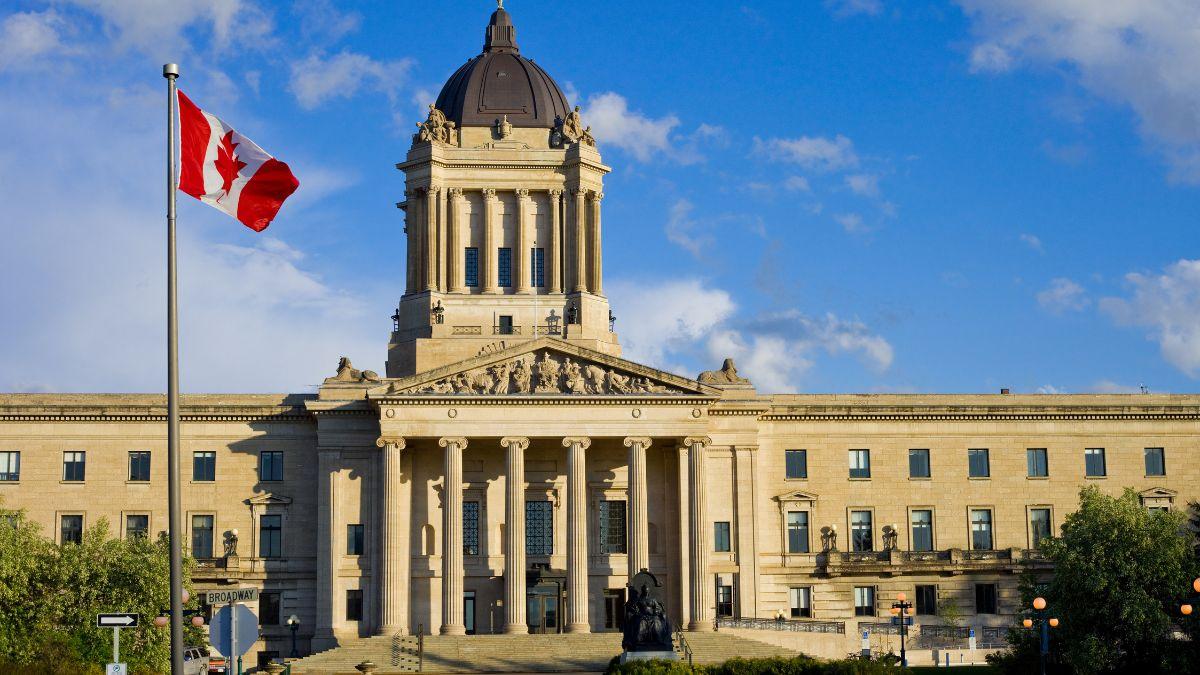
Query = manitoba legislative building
x=510 y=471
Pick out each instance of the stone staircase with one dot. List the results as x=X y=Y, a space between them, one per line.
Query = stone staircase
x=588 y=652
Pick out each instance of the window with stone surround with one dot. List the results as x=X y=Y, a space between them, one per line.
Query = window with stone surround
x=204 y=466
x=724 y=600
x=137 y=525
x=471 y=267
x=978 y=463
x=918 y=463
x=864 y=601
x=202 y=536
x=1094 y=465
x=74 y=466
x=860 y=463
x=613 y=527
x=270 y=536
x=539 y=528
x=1156 y=463
x=70 y=529
x=926 y=599
x=985 y=598
x=981 y=529
x=356 y=540
x=1039 y=526
x=721 y=543
x=270 y=465
x=797 y=532
x=354 y=604
x=537 y=267
x=139 y=465
x=1036 y=464
x=504 y=267
x=795 y=464
x=800 y=602
x=861 y=531
x=470 y=528
x=922 y=529
x=10 y=466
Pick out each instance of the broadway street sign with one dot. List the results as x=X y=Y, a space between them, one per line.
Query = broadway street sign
x=234 y=595
x=124 y=620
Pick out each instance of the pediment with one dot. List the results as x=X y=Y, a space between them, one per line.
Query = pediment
x=1158 y=493
x=544 y=367
x=269 y=499
x=796 y=496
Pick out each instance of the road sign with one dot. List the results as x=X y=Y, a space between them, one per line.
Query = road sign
x=232 y=595
x=116 y=669
x=233 y=628
x=122 y=620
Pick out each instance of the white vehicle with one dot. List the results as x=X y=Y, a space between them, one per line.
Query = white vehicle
x=195 y=661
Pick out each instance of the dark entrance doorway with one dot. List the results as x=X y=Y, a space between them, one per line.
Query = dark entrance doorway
x=545 y=599
x=614 y=608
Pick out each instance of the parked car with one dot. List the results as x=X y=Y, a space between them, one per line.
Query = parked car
x=217 y=665
x=195 y=661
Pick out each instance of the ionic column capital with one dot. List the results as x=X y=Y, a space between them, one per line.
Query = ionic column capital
x=489 y=193
x=582 y=441
x=641 y=441
x=520 y=442
x=458 y=441
x=393 y=442
x=702 y=441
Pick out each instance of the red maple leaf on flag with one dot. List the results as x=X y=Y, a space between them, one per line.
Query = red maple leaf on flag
x=227 y=162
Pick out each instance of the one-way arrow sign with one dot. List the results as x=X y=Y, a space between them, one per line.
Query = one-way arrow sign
x=124 y=620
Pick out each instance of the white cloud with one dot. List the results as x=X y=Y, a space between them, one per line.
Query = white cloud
x=1050 y=389
x=613 y=123
x=157 y=28
x=1063 y=295
x=25 y=36
x=864 y=184
x=682 y=229
x=1032 y=241
x=812 y=152
x=1168 y=304
x=664 y=317
x=318 y=79
x=1141 y=54
x=320 y=19
x=850 y=222
x=1110 y=387
x=797 y=184
x=847 y=8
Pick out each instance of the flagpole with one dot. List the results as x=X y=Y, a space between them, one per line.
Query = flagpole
x=174 y=526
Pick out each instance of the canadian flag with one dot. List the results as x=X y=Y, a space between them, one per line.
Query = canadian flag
x=228 y=171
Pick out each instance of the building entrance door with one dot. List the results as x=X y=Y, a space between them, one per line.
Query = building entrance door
x=614 y=608
x=543 y=607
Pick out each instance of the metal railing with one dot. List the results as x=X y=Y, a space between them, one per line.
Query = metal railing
x=880 y=628
x=993 y=636
x=547 y=329
x=684 y=648
x=408 y=651
x=785 y=625
x=506 y=330
x=466 y=330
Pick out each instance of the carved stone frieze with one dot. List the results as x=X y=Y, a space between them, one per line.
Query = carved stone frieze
x=544 y=372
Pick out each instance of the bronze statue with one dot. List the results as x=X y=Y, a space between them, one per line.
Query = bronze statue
x=646 y=627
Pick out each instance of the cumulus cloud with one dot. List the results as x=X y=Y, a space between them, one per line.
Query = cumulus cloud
x=26 y=36
x=613 y=123
x=1032 y=241
x=1063 y=295
x=1138 y=54
x=864 y=184
x=686 y=321
x=318 y=78
x=157 y=28
x=817 y=153
x=848 y=8
x=1168 y=304
x=851 y=222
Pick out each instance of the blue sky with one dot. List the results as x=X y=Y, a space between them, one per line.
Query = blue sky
x=847 y=196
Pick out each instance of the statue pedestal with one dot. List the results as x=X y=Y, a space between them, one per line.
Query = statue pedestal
x=626 y=657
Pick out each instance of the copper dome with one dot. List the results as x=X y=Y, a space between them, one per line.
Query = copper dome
x=500 y=82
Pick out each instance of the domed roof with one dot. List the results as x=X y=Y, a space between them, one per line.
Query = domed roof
x=501 y=82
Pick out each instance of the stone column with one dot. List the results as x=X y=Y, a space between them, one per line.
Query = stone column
x=442 y=250
x=488 y=258
x=454 y=247
x=683 y=540
x=580 y=251
x=639 y=525
x=702 y=610
x=514 y=521
x=553 y=269
x=412 y=221
x=452 y=537
x=328 y=462
x=393 y=554
x=577 y=555
x=594 y=265
x=521 y=261
x=429 y=281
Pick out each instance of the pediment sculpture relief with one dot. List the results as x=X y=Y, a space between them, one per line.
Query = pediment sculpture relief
x=544 y=372
x=436 y=128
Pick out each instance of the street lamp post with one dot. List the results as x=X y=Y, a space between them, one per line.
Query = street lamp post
x=900 y=608
x=293 y=624
x=1042 y=616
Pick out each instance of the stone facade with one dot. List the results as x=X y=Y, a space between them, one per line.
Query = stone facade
x=511 y=471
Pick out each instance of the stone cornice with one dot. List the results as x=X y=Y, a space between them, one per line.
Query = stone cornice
x=535 y=399
x=979 y=413
x=152 y=408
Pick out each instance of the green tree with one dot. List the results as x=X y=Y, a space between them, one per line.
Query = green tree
x=50 y=595
x=1119 y=572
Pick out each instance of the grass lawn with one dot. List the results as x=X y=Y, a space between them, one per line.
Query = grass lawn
x=955 y=669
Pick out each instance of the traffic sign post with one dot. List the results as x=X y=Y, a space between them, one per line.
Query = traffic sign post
x=117 y=621
x=234 y=630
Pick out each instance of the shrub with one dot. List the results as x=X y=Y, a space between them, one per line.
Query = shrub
x=796 y=665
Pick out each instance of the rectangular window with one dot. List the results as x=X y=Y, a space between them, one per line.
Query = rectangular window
x=926 y=603
x=471 y=267
x=800 y=599
x=537 y=267
x=1093 y=459
x=861 y=531
x=204 y=466
x=504 y=268
x=137 y=526
x=470 y=528
x=202 y=536
x=539 y=528
x=270 y=465
x=797 y=531
x=1156 y=462
x=724 y=600
x=139 y=465
x=1039 y=526
x=71 y=529
x=354 y=608
x=356 y=540
x=10 y=466
x=978 y=465
x=270 y=536
x=864 y=601
x=1036 y=464
x=505 y=325
x=981 y=529
x=860 y=463
x=612 y=527
x=796 y=463
x=721 y=537
x=922 y=530
x=74 y=466
x=985 y=598
x=268 y=608
x=918 y=463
